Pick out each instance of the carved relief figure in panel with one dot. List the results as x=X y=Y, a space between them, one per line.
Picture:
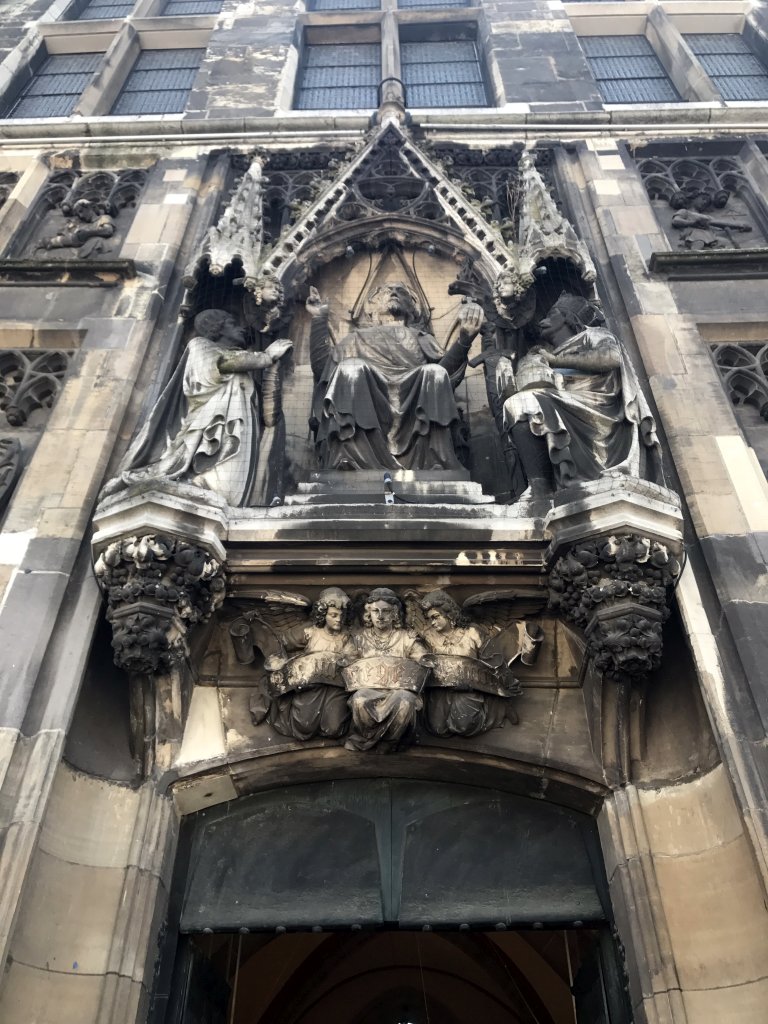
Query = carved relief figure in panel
x=387 y=680
x=578 y=410
x=384 y=393
x=705 y=203
x=85 y=232
x=309 y=698
x=80 y=212
x=206 y=425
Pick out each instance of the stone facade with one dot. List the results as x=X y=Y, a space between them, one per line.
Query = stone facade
x=169 y=649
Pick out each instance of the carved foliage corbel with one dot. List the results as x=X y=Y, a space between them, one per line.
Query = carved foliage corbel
x=157 y=588
x=616 y=589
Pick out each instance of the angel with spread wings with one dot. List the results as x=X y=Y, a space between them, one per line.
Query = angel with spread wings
x=303 y=656
x=471 y=681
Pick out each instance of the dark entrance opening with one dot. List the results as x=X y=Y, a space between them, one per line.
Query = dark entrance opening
x=552 y=976
x=390 y=901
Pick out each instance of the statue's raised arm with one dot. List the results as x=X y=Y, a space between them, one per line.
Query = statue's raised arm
x=320 y=346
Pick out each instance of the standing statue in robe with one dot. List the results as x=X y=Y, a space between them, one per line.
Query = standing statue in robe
x=384 y=394
x=577 y=411
x=206 y=425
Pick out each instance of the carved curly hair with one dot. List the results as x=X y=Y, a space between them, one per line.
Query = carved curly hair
x=445 y=604
x=332 y=597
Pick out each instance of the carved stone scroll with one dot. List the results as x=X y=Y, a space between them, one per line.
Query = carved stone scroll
x=157 y=588
x=616 y=589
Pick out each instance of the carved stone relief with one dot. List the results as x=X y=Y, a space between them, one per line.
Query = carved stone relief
x=157 y=587
x=30 y=382
x=744 y=372
x=81 y=215
x=374 y=669
x=8 y=180
x=616 y=589
x=703 y=203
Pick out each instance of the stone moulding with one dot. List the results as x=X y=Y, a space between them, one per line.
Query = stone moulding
x=712 y=265
x=614 y=557
x=66 y=273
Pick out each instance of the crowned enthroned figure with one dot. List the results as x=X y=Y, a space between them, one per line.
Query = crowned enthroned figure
x=384 y=394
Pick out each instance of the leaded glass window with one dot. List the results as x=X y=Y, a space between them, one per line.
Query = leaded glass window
x=342 y=76
x=443 y=73
x=345 y=5
x=731 y=65
x=159 y=82
x=57 y=86
x=98 y=10
x=427 y=5
x=627 y=70
x=179 y=7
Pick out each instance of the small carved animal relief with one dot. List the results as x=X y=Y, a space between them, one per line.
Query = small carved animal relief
x=82 y=216
x=372 y=670
x=703 y=204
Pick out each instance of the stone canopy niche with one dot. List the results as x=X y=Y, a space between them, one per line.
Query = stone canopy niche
x=406 y=379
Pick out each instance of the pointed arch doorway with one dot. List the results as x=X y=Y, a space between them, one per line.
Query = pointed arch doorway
x=391 y=901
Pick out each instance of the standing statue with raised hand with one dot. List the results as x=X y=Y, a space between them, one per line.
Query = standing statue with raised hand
x=206 y=425
x=384 y=394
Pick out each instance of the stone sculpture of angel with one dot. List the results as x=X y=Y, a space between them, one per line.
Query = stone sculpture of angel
x=472 y=650
x=304 y=645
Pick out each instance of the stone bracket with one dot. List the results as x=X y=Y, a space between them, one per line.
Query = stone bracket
x=159 y=558
x=614 y=557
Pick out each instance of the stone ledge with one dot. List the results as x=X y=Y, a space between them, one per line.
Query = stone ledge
x=65 y=273
x=714 y=264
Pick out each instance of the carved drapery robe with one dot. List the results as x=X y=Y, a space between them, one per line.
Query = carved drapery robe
x=592 y=421
x=386 y=401
x=384 y=716
x=204 y=429
x=461 y=712
x=316 y=710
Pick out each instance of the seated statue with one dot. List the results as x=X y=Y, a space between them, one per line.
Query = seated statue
x=384 y=394
x=384 y=716
x=577 y=411
x=318 y=707
x=205 y=427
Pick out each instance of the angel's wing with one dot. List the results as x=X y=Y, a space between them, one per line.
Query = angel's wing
x=502 y=613
x=496 y=609
x=270 y=615
x=414 y=616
